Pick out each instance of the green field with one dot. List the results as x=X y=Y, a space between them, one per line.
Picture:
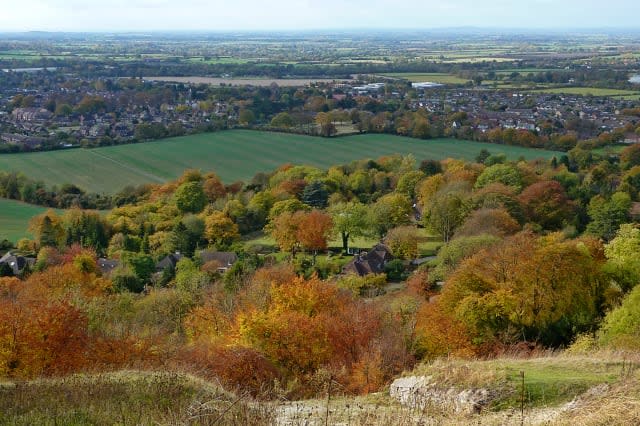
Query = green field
x=14 y=219
x=431 y=77
x=234 y=155
x=595 y=91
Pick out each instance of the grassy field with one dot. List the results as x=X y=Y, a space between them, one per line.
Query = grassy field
x=14 y=218
x=595 y=91
x=234 y=155
x=124 y=398
x=431 y=77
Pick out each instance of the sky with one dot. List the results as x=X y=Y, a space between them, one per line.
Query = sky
x=218 y=15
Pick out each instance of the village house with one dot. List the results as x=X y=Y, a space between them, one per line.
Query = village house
x=223 y=259
x=17 y=263
x=370 y=262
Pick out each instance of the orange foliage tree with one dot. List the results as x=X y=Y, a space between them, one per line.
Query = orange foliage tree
x=528 y=288
x=314 y=229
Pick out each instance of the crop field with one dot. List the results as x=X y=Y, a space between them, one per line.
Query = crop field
x=431 y=77
x=14 y=218
x=233 y=154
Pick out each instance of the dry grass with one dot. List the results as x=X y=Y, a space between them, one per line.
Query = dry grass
x=602 y=388
x=126 y=398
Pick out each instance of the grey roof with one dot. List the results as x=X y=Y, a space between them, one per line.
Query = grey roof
x=107 y=265
x=226 y=258
x=17 y=263
x=169 y=261
x=371 y=262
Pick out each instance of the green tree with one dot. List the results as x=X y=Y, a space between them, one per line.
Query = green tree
x=389 y=211
x=500 y=173
x=621 y=327
x=607 y=215
x=189 y=279
x=349 y=220
x=622 y=254
x=246 y=117
x=445 y=211
x=483 y=155
x=408 y=182
x=282 y=119
x=315 y=195
x=190 y=197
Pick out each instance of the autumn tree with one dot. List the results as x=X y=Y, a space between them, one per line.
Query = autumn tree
x=213 y=187
x=314 y=230
x=488 y=221
x=403 y=242
x=41 y=338
x=220 y=230
x=284 y=229
x=47 y=229
x=547 y=204
x=527 y=288
x=327 y=128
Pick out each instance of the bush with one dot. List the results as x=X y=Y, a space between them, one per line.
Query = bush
x=395 y=270
x=372 y=283
x=621 y=326
x=125 y=280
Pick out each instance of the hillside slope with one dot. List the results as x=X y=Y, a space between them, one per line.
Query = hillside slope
x=558 y=390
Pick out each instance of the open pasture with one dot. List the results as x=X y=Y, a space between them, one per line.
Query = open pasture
x=431 y=77
x=14 y=218
x=594 y=91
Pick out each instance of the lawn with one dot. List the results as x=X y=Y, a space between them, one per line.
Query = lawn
x=430 y=77
x=14 y=219
x=234 y=155
x=548 y=381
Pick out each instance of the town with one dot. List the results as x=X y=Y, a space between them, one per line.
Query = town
x=58 y=112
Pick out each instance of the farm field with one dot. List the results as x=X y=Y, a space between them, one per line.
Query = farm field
x=233 y=155
x=431 y=77
x=14 y=218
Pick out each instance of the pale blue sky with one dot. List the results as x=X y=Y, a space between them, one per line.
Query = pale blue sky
x=217 y=15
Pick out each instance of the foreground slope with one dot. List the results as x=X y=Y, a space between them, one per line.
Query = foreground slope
x=558 y=390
